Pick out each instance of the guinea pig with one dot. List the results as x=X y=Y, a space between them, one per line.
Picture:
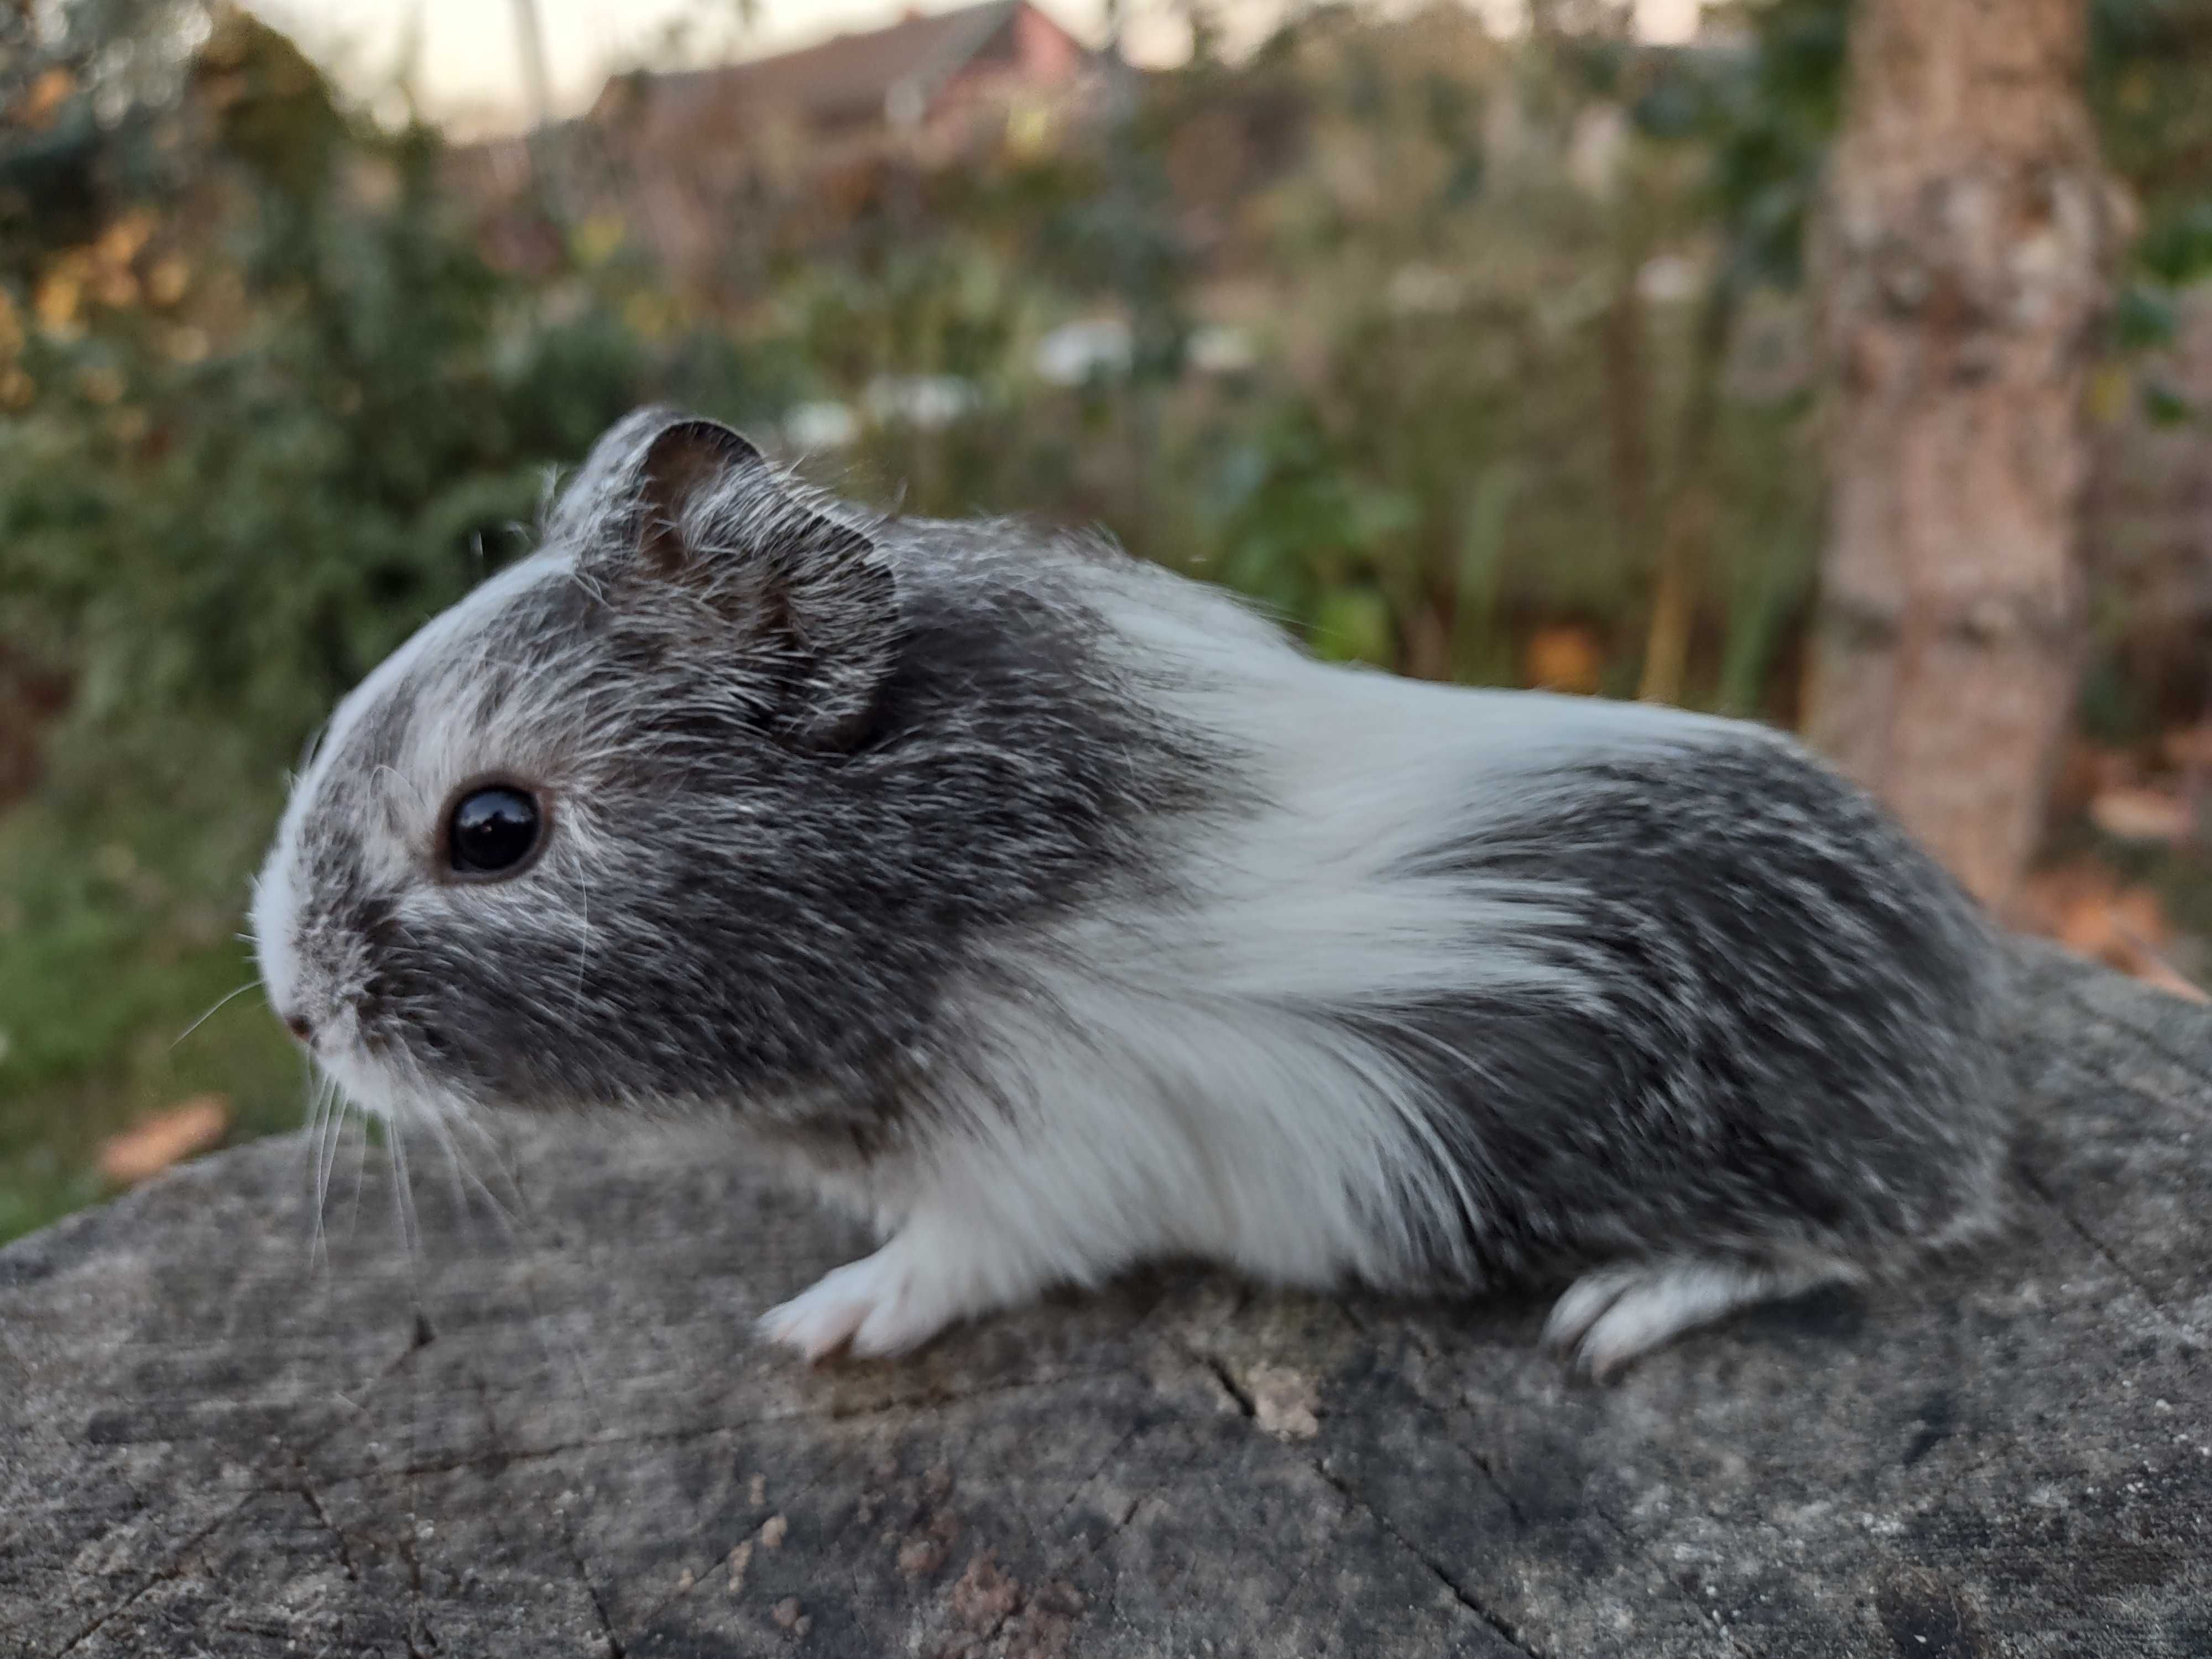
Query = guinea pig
x=1063 y=914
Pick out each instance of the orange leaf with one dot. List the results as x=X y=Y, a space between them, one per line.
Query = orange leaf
x=2086 y=926
x=152 y=1144
x=2083 y=906
x=1565 y=657
x=47 y=95
x=119 y=243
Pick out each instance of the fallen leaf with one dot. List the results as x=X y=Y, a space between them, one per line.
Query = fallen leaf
x=2048 y=894
x=2084 y=907
x=151 y=1146
x=46 y=96
x=1567 y=657
x=2139 y=814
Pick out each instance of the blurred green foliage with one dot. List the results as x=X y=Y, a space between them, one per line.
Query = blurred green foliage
x=1520 y=352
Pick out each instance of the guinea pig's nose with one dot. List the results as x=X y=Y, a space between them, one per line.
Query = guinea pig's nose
x=298 y=1026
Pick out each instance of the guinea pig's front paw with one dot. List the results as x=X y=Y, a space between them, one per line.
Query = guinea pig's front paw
x=880 y=1304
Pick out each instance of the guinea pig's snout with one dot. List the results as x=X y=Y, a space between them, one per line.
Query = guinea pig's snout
x=298 y=1025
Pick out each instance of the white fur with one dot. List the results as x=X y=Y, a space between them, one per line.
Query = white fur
x=1608 y=1318
x=1174 y=1094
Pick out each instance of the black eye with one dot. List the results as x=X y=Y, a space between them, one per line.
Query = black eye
x=494 y=830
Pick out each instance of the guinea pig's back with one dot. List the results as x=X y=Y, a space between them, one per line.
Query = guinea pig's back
x=1773 y=1029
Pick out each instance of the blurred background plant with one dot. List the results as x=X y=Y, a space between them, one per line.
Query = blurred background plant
x=1476 y=356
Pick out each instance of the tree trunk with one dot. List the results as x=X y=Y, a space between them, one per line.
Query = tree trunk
x=1965 y=254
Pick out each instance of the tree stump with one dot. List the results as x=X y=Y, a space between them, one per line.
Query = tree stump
x=222 y=1437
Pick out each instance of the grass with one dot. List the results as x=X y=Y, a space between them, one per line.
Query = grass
x=108 y=953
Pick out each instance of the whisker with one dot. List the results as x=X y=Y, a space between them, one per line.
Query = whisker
x=435 y=1120
x=403 y=1193
x=318 y=1118
x=360 y=1169
x=509 y=1223
x=220 y=1004
x=521 y=1232
x=311 y=1139
x=402 y=1199
x=491 y=1144
x=334 y=1119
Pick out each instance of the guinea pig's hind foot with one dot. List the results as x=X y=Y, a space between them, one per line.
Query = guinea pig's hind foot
x=1609 y=1316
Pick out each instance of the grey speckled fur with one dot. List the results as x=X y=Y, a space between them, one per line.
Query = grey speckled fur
x=1062 y=915
x=1785 y=1041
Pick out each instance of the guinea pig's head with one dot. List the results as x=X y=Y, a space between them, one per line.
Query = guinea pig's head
x=598 y=835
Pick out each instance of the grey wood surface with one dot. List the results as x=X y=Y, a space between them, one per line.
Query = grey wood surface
x=556 y=1434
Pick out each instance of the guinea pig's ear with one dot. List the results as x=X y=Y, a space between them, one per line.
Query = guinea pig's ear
x=597 y=490
x=814 y=594
x=686 y=460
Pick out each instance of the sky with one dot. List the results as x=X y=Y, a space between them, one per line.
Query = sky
x=468 y=70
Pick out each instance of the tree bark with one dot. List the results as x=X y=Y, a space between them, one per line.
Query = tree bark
x=1963 y=252
x=556 y=1434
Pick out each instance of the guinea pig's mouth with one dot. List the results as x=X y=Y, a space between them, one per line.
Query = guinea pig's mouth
x=372 y=1072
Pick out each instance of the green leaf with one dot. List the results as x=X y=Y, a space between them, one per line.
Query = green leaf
x=1353 y=624
x=2163 y=406
x=2143 y=317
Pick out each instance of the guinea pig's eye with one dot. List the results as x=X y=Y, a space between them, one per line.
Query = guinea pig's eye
x=494 y=831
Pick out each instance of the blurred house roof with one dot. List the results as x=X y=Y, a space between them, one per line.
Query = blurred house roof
x=893 y=75
x=700 y=165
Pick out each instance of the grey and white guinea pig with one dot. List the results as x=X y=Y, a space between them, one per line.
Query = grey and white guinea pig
x=1066 y=915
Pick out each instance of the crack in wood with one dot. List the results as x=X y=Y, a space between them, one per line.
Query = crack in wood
x=322 y=1517
x=1421 y=1339
x=1218 y=1370
x=2147 y=1036
x=1634 y=1546
x=615 y=1647
x=170 y=1570
x=1497 y=1622
x=1120 y=1445
x=2040 y=1190
x=1248 y=1406
x=1069 y=1562
x=172 y=1566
